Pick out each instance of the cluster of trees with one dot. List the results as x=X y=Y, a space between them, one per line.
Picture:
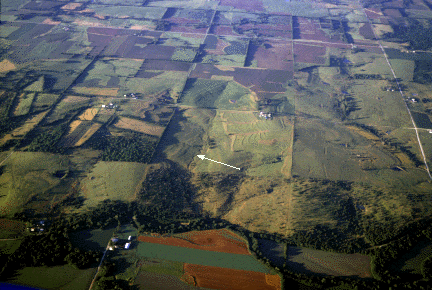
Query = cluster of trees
x=423 y=72
x=47 y=140
x=418 y=35
x=134 y=147
x=106 y=279
x=168 y=189
x=385 y=256
x=49 y=249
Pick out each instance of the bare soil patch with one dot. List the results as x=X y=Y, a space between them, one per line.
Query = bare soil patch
x=211 y=240
x=225 y=278
x=6 y=65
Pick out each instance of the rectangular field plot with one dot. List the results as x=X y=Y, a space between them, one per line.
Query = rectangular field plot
x=201 y=257
x=329 y=151
x=156 y=83
x=217 y=94
x=258 y=145
x=107 y=76
x=139 y=126
x=272 y=55
x=112 y=180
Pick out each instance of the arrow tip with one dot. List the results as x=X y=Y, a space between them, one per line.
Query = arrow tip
x=201 y=156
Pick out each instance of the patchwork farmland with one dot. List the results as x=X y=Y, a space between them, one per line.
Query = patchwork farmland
x=314 y=118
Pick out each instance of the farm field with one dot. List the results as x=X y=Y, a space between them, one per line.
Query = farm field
x=112 y=180
x=313 y=116
x=30 y=176
x=64 y=277
x=320 y=262
x=250 y=142
x=187 y=258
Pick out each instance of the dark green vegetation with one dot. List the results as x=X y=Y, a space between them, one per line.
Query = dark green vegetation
x=135 y=147
x=417 y=34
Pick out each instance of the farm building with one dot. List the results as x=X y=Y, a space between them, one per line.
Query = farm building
x=127 y=245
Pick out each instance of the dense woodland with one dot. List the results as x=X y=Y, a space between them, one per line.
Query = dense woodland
x=418 y=35
x=134 y=147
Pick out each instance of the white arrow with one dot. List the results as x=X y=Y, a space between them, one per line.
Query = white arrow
x=203 y=157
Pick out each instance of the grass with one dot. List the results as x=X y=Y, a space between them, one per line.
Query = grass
x=218 y=94
x=36 y=86
x=28 y=175
x=184 y=54
x=65 y=108
x=404 y=69
x=25 y=102
x=44 y=100
x=53 y=277
x=178 y=40
x=9 y=247
x=95 y=240
x=172 y=80
x=242 y=139
x=112 y=180
x=138 y=12
x=166 y=267
x=201 y=257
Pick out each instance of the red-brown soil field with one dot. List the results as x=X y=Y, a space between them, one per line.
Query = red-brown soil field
x=225 y=278
x=211 y=240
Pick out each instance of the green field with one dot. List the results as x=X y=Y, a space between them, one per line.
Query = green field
x=30 y=176
x=44 y=101
x=95 y=240
x=112 y=180
x=220 y=94
x=201 y=257
x=244 y=140
x=25 y=104
x=173 y=81
x=52 y=278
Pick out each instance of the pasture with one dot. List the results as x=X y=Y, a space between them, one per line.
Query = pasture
x=173 y=81
x=64 y=277
x=218 y=94
x=112 y=180
x=245 y=140
x=24 y=105
x=28 y=179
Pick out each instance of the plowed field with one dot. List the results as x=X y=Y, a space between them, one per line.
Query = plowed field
x=225 y=278
x=212 y=240
x=139 y=126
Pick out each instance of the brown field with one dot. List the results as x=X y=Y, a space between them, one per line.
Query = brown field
x=88 y=114
x=225 y=278
x=309 y=54
x=6 y=66
x=139 y=126
x=74 y=99
x=94 y=127
x=71 y=6
x=211 y=240
x=50 y=21
x=278 y=56
x=112 y=92
x=74 y=125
